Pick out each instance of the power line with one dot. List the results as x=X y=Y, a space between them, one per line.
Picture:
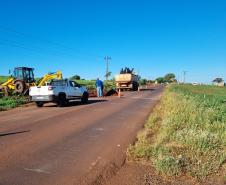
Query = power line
x=19 y=44
x=32 y=49
x=36 y=49
x=7 y=29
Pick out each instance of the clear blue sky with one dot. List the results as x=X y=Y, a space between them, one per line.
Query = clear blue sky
x=153 y=36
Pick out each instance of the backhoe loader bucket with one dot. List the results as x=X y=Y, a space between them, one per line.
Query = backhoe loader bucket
x=4 y=90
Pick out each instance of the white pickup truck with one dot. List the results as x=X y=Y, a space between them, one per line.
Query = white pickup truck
x=58 y=91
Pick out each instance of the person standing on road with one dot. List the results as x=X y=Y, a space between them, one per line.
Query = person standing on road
x=99 y=86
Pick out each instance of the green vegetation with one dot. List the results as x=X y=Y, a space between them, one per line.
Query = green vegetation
x=186 y=133
x=143 y=81
x=110 y=84
x=11 y=102
x=3 y=79
x=204 y=90
x=168 y=78
x=90 y=84
x=75 y=77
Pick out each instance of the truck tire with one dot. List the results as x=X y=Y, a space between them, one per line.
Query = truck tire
x=39 y=104
x=62 y=101
x=135 y=86
x=19 y=87
x=85 y=98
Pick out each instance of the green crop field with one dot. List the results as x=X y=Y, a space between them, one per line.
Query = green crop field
x=204 y=90
x=186 y=133
x=3 y=79
x=90 y=84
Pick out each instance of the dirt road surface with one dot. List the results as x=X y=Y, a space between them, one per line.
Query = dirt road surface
x=77 y=144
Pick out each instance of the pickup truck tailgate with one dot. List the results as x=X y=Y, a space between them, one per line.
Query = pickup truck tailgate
x=43 y=93
x=40 y=91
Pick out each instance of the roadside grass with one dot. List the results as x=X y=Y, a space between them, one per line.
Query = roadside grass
x=186 y=133
x=7 y=103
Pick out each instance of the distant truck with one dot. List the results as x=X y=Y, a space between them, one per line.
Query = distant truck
x=127 y=80
x=59 y=92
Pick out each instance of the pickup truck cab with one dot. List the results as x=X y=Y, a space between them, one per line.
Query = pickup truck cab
x=58 y=91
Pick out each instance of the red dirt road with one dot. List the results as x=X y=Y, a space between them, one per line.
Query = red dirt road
x=78 y=144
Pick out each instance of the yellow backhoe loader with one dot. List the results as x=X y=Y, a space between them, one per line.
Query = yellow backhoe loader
x=23 y=78
x=20 y=81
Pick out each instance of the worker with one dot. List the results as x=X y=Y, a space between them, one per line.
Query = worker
x=99 y=86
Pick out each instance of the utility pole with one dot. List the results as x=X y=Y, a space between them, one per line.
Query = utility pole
x=107 y=59
x=185 y=73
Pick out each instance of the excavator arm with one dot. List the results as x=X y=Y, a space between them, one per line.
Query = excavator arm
x=50 y=76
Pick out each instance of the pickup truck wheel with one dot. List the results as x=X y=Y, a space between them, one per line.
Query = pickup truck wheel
x=39 y=104
x=62 y=101
x=85 y=97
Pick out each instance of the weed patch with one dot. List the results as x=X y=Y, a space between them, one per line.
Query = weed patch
x=11 y=102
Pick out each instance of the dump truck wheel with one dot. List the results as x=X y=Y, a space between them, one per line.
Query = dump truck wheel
x=134 y=87
x=19 y=87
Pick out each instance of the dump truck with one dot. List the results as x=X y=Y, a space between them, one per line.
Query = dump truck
x=127 y=80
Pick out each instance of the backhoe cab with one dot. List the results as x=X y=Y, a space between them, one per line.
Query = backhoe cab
x=21 y=80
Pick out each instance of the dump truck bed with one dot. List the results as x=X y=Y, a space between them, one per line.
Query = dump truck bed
x=127 y=81
x=126 y=78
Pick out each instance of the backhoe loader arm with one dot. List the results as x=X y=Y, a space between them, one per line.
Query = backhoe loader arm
x=50 y=76
x=9 y=83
